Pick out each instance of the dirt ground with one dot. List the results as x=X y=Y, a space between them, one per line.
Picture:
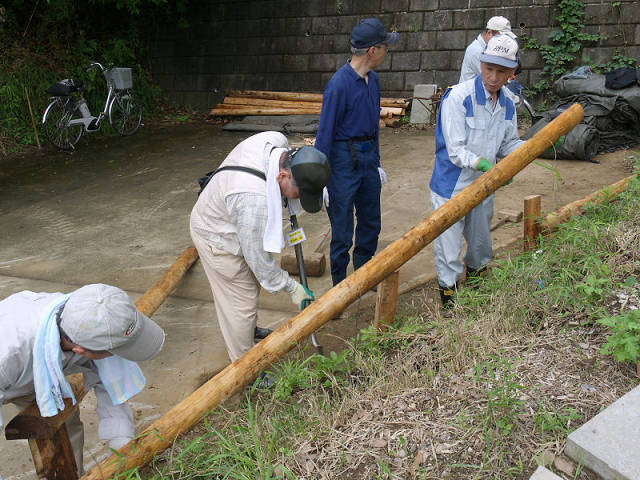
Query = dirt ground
x=116 y=211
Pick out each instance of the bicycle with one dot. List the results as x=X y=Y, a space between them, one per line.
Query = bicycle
x=68 y=116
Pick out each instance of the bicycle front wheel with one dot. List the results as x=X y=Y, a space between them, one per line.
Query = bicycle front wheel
x=56 y=124
x=125 y=113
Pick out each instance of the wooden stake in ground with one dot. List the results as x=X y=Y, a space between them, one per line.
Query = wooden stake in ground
x=233 y=378
x=33 y=120
x=532 y=211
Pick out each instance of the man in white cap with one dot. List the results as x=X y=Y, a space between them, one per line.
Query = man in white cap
x=476 y=126
x=471 y=62
x=95 y=330
x=236 y=226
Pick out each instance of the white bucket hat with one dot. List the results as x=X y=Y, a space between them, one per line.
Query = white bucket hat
x=501 y=50
x=102 y=317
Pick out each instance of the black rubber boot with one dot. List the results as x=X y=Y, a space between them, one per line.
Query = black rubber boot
x=260 y=333
x=446 y=295
x=474 y=277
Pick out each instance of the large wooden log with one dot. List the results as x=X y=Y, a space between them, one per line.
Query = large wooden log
x=153 y=298
x=562 y=215
x=241 y=111
x=263 y=102
x=306 y=97
x=234 y=377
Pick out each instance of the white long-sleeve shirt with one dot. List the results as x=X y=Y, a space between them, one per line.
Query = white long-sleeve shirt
x=471 y=61
x=20 y=318
x=469 y=127
x=231 y=212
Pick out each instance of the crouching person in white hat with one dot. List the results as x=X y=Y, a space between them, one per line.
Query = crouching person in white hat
x=476 y=126
x=95 y=330
x=236 y=226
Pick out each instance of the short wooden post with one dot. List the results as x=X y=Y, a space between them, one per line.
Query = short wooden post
x=532 y=211
x=386 y=302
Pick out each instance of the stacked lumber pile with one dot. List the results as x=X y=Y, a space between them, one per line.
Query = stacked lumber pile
x=258 y=102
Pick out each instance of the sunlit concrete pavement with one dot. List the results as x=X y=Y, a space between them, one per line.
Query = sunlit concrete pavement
x=117 y=210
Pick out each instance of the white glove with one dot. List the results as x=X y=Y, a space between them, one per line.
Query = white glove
x=325 y=197
x=119 y=442
x=383 y=175
x=300 y=294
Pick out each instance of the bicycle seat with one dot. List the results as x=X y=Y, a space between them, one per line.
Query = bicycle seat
x=65 y=87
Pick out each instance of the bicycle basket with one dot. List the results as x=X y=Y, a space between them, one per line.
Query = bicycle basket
x=120 y=78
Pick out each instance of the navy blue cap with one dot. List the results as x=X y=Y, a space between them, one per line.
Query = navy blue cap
x=370 y=32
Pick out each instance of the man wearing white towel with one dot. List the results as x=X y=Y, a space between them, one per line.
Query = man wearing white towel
x=96 y=330
x=236 y=225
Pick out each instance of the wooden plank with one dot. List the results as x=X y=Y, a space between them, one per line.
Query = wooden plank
x=54 y=459
x=386 y=302
x=268 y=103
x=306 y=97
x=163 y=432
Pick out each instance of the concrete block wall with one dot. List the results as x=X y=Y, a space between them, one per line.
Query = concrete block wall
x=297 y=45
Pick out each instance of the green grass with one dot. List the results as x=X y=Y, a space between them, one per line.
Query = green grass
x=458 y=395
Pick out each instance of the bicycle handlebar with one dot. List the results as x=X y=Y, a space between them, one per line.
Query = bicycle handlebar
x=93 y=65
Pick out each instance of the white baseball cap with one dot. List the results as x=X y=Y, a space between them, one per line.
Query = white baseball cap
x=499 y=24
x=102 y=317
x=501 y=50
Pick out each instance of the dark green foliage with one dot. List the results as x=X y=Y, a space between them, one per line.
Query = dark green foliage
x=46 y=41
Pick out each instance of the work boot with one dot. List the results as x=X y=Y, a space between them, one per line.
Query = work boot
x=446 y=296
x=475 y=276
x=260 y=333
x=265 y=381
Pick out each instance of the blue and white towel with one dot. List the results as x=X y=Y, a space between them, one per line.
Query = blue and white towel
x=121 y=378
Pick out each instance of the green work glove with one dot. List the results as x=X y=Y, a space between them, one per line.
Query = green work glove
x=484 y=165
x=301 y=295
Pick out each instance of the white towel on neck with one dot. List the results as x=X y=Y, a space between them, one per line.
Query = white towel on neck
x=273 y=240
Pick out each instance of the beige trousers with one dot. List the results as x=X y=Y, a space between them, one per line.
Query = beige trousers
x=235 y=294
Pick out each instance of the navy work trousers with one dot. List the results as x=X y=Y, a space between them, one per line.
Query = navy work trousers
x=353 y=183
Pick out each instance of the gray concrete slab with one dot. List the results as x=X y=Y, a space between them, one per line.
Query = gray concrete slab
x=609 y=443
x=116 y=211
x=543 y=473
x=421 y=105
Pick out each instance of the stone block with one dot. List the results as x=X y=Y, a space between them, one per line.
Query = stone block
x=185 y=83
x=466 y=19
x=542 y=473
x=405 y=61
x=347 y=22
x=425 y=40
x=411 y=79
x=530 y=58
x=447 y=78
x=314 y=8
x=438 y=20
x=386 y=65
x=394 y=5
x=637 y=35
x=451 y=39
x=322 y=63
x=452 y=4
x=408 y=22
x=598 y=55
x=609 y=443
x=391 y=80
x=484 y=3
x=436 y=60
x=325 y=25
x=274 y=63
x=600 y=14
x=533 y=16
x=630 y=12
x=421 y=106
x=296 y=63
x=615 y=35
x=423 y=5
